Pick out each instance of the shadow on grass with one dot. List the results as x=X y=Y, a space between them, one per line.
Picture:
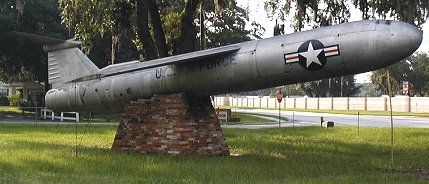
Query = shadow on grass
x=319 y=146
x=12 y=128
x=11 y=115
x=302 y=154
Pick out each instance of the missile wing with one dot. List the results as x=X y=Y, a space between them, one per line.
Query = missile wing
x=344 y=49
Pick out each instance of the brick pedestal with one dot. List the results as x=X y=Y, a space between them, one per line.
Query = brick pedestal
x=171 y=124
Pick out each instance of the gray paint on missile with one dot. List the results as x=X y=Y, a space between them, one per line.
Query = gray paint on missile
x=326 y=52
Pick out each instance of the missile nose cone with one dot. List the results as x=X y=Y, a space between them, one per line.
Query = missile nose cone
x=405 y=38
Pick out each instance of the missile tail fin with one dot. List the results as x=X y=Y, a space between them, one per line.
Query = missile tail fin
x=68 y=64
x=66 y=61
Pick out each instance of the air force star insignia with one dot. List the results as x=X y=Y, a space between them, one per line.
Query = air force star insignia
x=312 y=55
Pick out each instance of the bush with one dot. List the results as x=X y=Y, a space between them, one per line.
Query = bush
x=4 y=101
x=15 y=99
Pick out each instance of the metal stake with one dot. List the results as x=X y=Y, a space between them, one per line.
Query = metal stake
x=279 y=114
x=391 y=119
x=358 y=122
x=293 y=119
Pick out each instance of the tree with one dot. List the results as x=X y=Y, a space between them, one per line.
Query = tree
x=108 y=30
x=230 y=28
x=368 y=89
x=398 y=72
x=310 y=11
x=334 y=11
x=342 y=86
x=92 y=20
x=419 y=75
x=411 y=11
x=20 y=60
x=317 y=13
x=163 y=27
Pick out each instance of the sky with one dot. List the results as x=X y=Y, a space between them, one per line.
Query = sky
x=258 y=14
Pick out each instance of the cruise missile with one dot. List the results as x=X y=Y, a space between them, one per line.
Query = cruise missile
x=339 y=50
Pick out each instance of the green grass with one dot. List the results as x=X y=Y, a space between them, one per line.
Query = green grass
x=246 y=119
x=94 y=118
x=350 y=112
x=11 y=109
x=46 y=154
x=265 y=115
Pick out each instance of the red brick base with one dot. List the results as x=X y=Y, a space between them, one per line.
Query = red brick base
x=175 y=124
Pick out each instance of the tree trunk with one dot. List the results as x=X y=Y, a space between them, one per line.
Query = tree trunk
x=113 y=51
x=202 y=28
x=126 y=49
x=300 y=15
x=187 y=29
x=143 y=30
x=159 y=34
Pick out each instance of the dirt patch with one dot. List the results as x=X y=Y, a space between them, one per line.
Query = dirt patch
x=419 y=172
x=422 y=173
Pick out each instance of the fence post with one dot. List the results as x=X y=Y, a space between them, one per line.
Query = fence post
x=408 y=104
x=275 y=104
x=385 y=103
x=53 y=115
x=305 y=103
x=348 y=103
x=62 y=115
x=267 y=102
x=284 y=103
x=77 y=117
x=365 y=103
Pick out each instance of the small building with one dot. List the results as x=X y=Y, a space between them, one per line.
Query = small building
x=33 y=92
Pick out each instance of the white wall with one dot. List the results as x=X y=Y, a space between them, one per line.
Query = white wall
x=399 y=103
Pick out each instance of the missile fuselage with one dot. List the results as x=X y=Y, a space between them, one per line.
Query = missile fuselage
x=332 y=51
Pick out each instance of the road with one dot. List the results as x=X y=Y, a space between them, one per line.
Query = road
x=313 y=119
x=301 y=119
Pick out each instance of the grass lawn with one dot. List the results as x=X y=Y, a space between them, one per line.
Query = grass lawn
x=46 y=154
x=265 y=115
x=246 y=119
x=350 y=112
x=10 y=109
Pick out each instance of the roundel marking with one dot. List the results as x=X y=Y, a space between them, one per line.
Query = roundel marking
x=312 y=55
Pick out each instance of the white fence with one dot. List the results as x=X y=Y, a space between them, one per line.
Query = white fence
x=45 y=113
x=399 y=103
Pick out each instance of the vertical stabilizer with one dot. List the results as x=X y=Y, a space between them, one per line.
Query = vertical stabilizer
x=66 y=62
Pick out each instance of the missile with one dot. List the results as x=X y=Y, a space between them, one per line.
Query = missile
x=332 y=51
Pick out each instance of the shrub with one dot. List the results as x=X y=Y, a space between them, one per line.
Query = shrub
x=15 y=99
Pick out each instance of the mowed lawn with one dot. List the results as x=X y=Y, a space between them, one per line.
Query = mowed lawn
x=46 y=154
